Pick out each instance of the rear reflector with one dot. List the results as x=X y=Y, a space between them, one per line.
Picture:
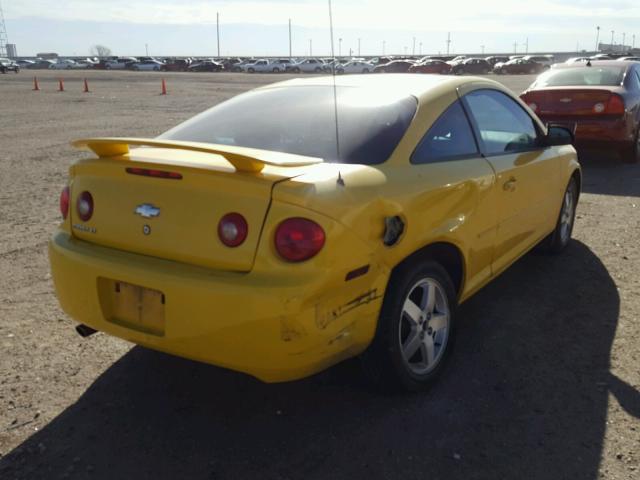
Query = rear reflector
x=64 y=202
x=233 y=229
x=84 y=206
x=145 y=172
x=299 y=239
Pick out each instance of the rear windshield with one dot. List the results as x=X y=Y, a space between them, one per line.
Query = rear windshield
x=301 y=120
x=583 y=75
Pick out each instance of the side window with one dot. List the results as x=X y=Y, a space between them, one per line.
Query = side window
x=504 y=126
x=449 y=138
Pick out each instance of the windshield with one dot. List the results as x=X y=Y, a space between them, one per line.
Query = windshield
x=597 y=76
x=301 y=120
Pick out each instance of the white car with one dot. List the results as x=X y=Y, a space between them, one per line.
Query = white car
x=280 y=65
x=68 y=65
x=577 y=60
x=546 y=60
x=355 y=67
x=148 y=65
x=310 y=65
x=119 y=63
x=257 y=66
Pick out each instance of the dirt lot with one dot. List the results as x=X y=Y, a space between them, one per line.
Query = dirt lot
x=544 y=384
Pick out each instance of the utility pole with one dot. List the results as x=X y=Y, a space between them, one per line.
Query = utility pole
x=448 y=42
x=482 y=49
x=633 y=46
x=339 y=47
x=218 y=31
x=597 y=39
x=515 y=47
x=311 y=47
x=413 y=51
x=290 y=53
x=420 y=48
x=613 y=32
x=526 y=46
x=624 y=37
x=146 y=48
x=359 y=47
x=3 y=35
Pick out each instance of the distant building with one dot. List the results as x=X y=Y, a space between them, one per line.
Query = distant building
x=606 y=47
x=12 y=51
x=47 y=55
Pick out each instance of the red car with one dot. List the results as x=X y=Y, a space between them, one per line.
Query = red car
x=599 y=101
x=431 y=66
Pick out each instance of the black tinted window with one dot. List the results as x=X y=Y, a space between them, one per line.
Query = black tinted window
x=449 y=138
x=504 y=126
x=301 y=120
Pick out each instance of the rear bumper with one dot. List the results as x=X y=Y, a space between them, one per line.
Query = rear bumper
x=272 y=328
x=597 y=133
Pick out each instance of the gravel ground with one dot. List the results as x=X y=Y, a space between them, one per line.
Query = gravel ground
x=544 y=383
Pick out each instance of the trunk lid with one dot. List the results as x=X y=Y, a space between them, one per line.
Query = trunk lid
x=564 y=101
x=175 y=218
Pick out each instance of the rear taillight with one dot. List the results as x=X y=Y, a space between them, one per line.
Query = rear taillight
x=299 y=239
x=84 y=206
x=233 y=229
x=525 y=98
x=615 y=105
x=64 y=202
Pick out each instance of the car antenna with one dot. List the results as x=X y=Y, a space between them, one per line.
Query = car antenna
x=335 y=90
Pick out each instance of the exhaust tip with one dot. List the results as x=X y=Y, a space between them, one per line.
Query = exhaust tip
x=85 y=331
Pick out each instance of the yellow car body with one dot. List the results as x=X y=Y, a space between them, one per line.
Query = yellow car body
x=246 y=308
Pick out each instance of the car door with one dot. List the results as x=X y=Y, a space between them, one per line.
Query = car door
x=456 y=191
x=527 y=172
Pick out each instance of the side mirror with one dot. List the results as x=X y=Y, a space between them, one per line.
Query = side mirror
x=557 y=136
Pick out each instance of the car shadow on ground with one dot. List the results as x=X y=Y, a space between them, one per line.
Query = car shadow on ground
x=525 y=395
x=604 y=174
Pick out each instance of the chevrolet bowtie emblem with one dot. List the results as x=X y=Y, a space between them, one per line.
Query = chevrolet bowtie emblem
x=146 y=210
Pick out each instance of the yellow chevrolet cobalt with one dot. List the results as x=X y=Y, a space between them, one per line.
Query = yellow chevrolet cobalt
x=307 y=222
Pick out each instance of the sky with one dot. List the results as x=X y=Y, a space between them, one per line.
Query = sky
x=260 y=27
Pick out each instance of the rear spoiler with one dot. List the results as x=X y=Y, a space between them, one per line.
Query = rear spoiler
x=243 y=159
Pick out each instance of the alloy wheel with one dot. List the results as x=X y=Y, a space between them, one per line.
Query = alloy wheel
x=567 y=214
x=424 y=326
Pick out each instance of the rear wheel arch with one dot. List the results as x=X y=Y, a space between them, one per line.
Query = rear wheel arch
x=446 y=254
x=577 y=175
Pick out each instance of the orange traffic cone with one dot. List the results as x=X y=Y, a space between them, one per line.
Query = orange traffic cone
x=86 y=86
x=60 y=85
x=164 y=87
x=36 y=86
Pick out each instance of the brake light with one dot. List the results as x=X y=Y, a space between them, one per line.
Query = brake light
x=146 y=172
x=233 y=229
x=84 y=206
x=615 y=105
x=64 y=203
x=299 y=239
x=532 y=105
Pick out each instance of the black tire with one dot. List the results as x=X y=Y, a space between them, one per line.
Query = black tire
x=383 y=362
x=296 y=70
x=276 y=70
x=556 y=242
x=318 y=70
x=632 y=154
x=460 y=71
x=250 y=70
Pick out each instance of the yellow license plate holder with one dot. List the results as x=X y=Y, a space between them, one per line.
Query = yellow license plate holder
x=136 y=307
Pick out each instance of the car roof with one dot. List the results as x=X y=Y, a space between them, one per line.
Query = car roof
x=596 y=63
x=420 y=86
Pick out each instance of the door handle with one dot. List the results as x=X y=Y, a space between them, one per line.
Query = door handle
x=509 y=185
